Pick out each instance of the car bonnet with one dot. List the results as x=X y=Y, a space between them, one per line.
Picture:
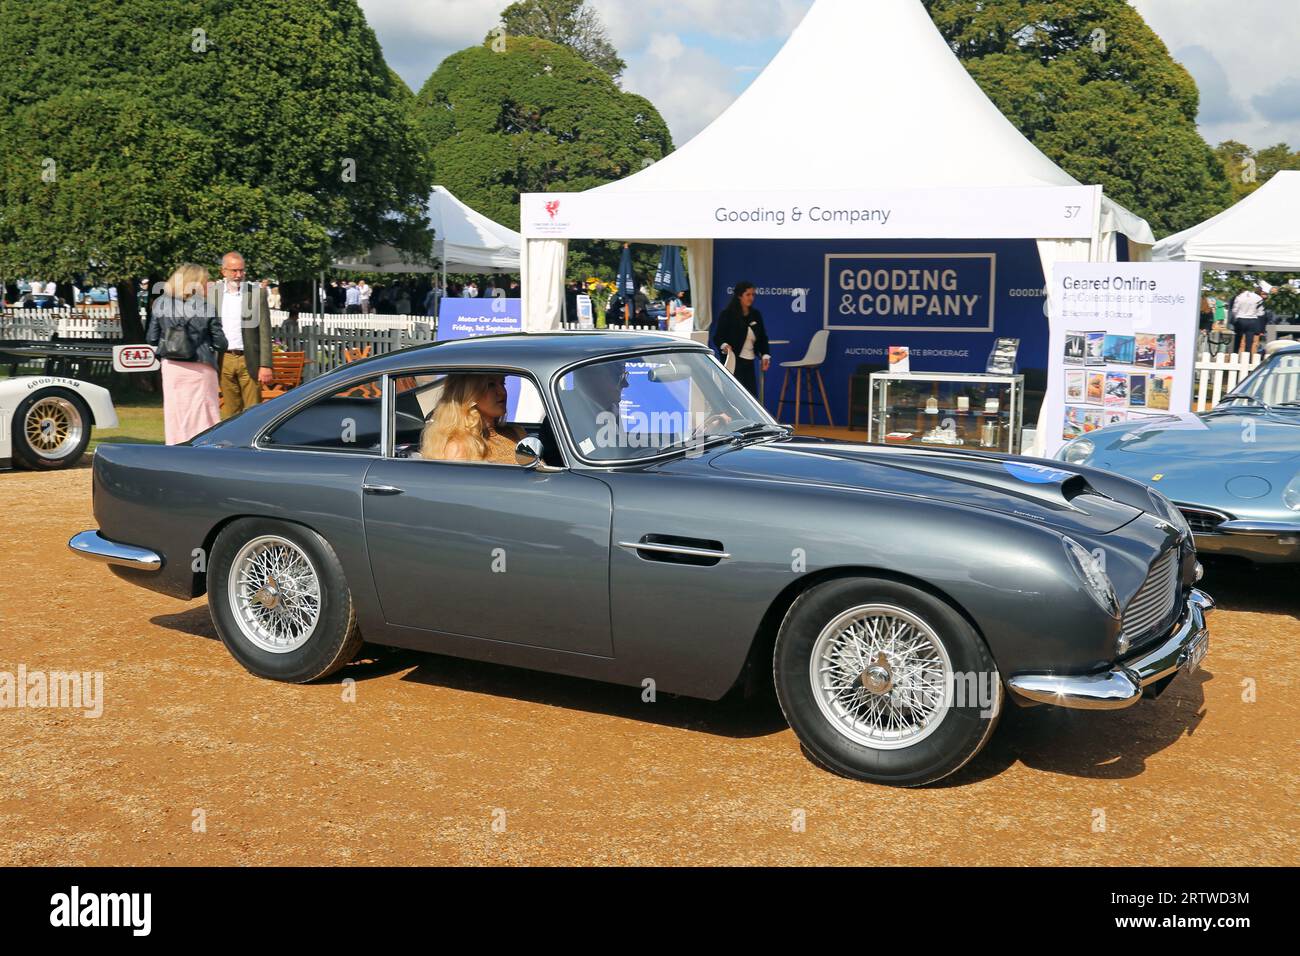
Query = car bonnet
x=1056 y=496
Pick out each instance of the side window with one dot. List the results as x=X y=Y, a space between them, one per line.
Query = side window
x=433 y=413
x=346 y=421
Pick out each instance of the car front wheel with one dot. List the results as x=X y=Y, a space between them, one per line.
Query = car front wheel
x=51 y=430
x=280 y=601
x=884 y=682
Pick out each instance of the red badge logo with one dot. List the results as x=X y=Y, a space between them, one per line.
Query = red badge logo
x=552 y=208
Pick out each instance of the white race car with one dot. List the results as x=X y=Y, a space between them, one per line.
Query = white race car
x=45 y=421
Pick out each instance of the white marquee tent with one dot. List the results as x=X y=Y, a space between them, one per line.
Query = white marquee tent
x=465 y=240
x=1259 y=234
x=865 y=116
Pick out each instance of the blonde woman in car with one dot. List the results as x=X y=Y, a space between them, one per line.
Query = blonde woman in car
x=467 y=422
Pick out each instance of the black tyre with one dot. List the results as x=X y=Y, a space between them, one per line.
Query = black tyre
x=884 y=682
x=51 y=429
x=280 y=601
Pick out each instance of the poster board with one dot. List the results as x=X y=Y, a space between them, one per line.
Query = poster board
x=586 y=315
x=1123 y=345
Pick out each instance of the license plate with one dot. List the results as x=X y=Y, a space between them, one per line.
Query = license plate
x=1196 y=651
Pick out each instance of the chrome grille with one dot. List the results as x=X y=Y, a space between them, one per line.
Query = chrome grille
x=1154 y=600
x=1203 y=520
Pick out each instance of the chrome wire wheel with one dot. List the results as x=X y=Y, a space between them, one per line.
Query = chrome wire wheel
x=53 y=427
x=274 y=594
x=881 y=676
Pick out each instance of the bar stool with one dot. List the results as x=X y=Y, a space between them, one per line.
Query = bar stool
x=812 y=361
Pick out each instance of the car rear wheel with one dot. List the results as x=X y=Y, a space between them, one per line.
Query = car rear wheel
x=883 y=682
x=51 y=430
x=280 y=601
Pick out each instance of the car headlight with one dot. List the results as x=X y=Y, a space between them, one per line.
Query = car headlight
x=1169 y=511
x=1077 y=452
x=1090 y=572
x=1291 y=494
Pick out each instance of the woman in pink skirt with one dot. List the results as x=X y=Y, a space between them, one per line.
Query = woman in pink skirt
x=186 y=332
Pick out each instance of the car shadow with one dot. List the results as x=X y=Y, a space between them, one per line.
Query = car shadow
x=1093 y=744
x=1262 y=588
x=732 y=716
x=1104 y=745
x=196 y=622
x=373 y=661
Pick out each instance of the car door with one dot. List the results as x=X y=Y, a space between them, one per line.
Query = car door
x=491 y=551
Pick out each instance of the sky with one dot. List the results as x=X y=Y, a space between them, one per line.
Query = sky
x=691 y=58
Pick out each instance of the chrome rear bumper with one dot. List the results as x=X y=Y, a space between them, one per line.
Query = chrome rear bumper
x=1121 y=686
x=92 y=544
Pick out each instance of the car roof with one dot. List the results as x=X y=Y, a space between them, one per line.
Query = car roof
x=540 y=352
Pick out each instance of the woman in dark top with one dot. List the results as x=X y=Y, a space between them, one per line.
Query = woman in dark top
x=740 y=332
x=185 y=330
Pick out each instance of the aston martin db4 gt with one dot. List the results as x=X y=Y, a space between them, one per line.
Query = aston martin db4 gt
x=646 y=520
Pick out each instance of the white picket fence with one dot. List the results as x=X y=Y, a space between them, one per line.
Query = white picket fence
x=85 y=322
x=1219 y=374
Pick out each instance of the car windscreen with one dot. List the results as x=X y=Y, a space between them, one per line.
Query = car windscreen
x=639 y=406
x=1276 y=382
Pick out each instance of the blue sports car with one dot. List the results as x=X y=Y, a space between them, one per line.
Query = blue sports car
x=1234 y=471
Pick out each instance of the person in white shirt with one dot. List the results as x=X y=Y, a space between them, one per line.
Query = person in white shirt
x=363 y=296
x=246 y=320
x=1247 y=318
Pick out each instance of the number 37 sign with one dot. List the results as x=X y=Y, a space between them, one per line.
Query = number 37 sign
x=134 y=358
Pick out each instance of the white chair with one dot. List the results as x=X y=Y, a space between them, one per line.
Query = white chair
x=812 y=361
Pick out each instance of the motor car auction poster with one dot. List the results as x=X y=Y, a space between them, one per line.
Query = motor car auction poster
x=1123 y=345
x=948 y=301
x=471 y=318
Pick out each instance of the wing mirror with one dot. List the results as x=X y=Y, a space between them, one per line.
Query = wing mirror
x=530 y=452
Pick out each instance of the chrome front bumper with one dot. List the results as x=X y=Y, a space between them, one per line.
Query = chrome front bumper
x=92 y=544
x=1121 y=686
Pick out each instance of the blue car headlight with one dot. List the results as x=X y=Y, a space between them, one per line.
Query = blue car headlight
x=1077 y=451
x=1291 y=494
x=1091 y=573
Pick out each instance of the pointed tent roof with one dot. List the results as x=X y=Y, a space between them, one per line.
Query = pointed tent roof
x=1260 y=233
x=862 y=95
x=466 y=240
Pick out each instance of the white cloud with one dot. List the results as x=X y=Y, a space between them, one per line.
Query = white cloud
x=629 y=21
x=689 y=86
x=417 y=35
x=1243 y=56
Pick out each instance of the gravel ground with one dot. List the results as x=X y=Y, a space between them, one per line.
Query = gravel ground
x=438 y=760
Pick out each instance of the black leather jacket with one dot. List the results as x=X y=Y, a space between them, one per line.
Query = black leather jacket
x=201 y=322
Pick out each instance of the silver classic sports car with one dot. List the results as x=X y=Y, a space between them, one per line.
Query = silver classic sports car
x=1233 y=471
x=622 y=510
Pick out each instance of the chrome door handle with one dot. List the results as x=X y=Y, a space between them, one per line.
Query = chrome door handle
x=381 y=490
x=674 y=549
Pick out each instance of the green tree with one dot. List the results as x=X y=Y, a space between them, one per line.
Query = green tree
x=1248 y=169
x=570 y=23
x=1093 y=87
x=137 y=136
x=535 y=117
